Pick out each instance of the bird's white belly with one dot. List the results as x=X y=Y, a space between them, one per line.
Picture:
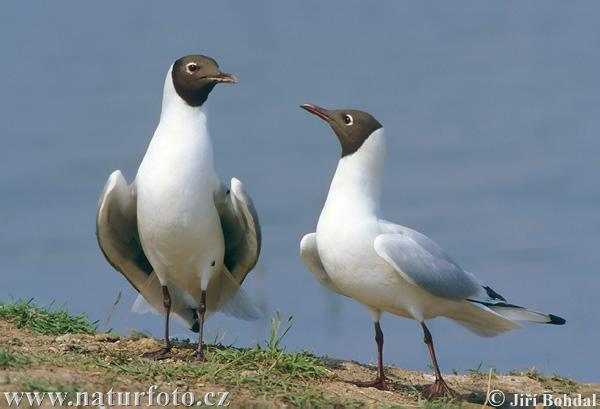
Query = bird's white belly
x=180 y=230
x=358 y=272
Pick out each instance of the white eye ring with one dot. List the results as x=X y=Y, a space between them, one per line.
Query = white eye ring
x=348 y=120
x=191 y=67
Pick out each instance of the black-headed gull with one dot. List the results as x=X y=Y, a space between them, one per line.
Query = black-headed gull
x=180 y=237
x=388 y=267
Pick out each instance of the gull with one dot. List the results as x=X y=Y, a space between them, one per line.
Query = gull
x=182 y=239
x=388 y=267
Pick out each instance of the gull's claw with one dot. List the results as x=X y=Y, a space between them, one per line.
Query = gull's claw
x=439 y=389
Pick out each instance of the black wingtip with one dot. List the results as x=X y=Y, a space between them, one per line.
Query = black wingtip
x=493 y=294
x=556 y=320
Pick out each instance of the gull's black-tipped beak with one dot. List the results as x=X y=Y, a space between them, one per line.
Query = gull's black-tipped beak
x=316 y=110
x=224 y=78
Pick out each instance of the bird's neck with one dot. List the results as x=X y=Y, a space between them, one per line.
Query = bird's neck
x=183 y=129
x=181 y=142
x=183 y=119
x=178 y=114
x=356 y=184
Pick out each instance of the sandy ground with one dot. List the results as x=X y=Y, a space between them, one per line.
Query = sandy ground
x=62 y=369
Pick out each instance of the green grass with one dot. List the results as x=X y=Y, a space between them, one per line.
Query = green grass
x=266 y=371
x=536 y=375
x=136 y=335
x=48 y=321
x=275 y=338
x=269 y=372
x=476 y=371
x=564 y=384
x=556 y=383
x=12 y=359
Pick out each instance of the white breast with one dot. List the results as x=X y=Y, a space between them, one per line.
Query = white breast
x=178 y=223
x=347 y=228
x=348 y=223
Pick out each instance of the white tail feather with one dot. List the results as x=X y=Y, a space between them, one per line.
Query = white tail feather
x=224 y=294
x=481 y=320
x=141 y=306
x=150 y=299
x=520 y=314
x=239 y=304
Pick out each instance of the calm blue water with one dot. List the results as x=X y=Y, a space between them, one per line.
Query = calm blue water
x=491 y=111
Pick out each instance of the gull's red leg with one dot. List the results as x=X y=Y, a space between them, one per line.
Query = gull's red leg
x=164 y=352
x=378 y=382
x=440 y=388
x=201 y=312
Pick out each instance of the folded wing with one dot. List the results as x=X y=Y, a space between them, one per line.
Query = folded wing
x=242 y=234
x=241 y=229
x=423 y=263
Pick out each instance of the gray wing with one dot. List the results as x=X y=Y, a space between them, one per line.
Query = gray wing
x=117 y=233
x=310 y=256
x=241 y=229
x=420 y=261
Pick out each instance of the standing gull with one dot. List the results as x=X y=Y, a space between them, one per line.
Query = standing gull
x=388 y=267
x=180 y=237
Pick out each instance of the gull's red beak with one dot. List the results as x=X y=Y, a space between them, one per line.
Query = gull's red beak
x=316 y=110
x=223 y=77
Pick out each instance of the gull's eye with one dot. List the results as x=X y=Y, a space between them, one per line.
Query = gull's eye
x=191 y=67
x=348 y=120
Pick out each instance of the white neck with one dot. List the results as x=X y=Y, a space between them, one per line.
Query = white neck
x=182 y=135
x=176 y=110
x=357 y=181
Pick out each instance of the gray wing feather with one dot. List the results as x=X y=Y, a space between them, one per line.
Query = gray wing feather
x=241 y=229
x=310 y=256
x=420 y=261
x=117 y=233
x=118 y=237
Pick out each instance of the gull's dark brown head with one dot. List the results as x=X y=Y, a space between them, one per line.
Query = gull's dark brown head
x=195 y=76
x=352 y=127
